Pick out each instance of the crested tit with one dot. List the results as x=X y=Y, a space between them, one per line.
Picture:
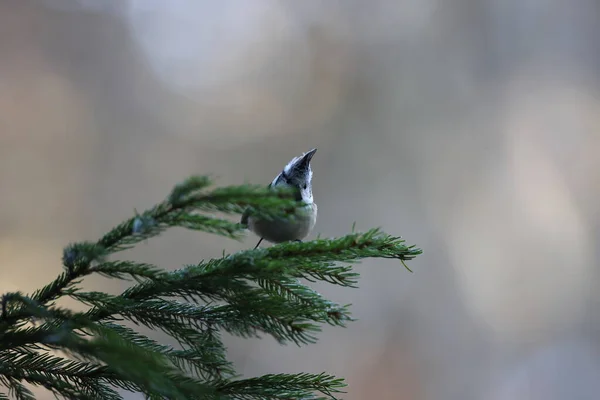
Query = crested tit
x=297 y=174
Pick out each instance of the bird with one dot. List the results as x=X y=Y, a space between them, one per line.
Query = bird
x=296 y=174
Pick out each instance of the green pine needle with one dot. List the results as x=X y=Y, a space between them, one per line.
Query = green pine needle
x=252 y=293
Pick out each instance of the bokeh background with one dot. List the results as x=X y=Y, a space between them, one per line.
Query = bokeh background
x=471 y=128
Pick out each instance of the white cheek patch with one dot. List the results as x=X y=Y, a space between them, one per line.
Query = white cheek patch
x=307 y=197
x=279 y=182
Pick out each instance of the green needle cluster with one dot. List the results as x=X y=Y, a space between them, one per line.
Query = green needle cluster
x=253 y=293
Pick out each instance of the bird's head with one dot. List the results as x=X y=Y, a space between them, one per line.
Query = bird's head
x=298 y=174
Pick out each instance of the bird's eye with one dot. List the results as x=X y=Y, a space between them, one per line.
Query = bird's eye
x=304 y=186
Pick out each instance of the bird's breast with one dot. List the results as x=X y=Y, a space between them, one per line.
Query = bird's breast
x=282 y=230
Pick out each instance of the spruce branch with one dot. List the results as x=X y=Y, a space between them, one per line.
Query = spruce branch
x=89 y=354
x=205 y=355
x=124 y=269
x=294 y=386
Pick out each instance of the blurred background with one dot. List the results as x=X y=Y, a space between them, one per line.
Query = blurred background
x=471 y=128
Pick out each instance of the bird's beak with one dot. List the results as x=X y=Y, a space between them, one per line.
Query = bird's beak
x=305 y=160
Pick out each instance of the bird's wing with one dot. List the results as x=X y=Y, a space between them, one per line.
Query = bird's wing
x=246 y=213
x=245 y=216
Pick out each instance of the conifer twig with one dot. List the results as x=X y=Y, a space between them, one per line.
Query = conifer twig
x=90 y=354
